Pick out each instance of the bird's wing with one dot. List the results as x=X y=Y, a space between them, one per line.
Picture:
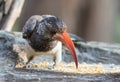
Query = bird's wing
x=31 y=24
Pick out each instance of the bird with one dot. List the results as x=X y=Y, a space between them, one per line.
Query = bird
x=45 y=35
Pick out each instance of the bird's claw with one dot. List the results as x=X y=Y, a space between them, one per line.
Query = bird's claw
x=52 y=67
x=28 y=66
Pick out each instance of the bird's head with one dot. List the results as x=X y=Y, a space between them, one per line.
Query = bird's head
x=53 y=28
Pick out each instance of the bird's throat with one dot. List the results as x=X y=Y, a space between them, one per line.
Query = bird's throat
x=43 y=46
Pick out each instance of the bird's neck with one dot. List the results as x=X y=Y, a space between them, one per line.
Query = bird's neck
x=42 y=46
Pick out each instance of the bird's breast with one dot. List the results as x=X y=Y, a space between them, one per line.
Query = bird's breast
x=53 y=51
x=42 y=45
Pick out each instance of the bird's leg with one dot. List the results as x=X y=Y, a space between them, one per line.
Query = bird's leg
x=28 y=64
x=57 y=59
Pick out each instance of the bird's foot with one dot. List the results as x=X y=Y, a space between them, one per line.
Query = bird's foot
x=28 y=66
x=52 y=67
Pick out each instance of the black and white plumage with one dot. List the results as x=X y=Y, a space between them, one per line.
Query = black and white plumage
x=44 y=35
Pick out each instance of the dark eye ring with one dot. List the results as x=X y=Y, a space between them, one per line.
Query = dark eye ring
x=53 y=32
x=24 y=35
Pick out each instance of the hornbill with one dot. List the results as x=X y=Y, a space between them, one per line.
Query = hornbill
x=45 y=35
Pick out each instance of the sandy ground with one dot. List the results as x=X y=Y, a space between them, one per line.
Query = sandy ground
x=83 y=68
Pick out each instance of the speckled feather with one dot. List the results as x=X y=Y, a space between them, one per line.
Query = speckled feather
x=39 y=30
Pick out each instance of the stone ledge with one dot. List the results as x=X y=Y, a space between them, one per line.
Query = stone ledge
x=89 y=52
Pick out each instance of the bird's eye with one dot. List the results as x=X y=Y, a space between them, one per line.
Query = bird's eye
x=24 y=35
x=53 y=32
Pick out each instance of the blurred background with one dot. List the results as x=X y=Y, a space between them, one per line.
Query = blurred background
x=93 y=20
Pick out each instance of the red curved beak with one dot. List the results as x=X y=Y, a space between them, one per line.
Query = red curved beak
x=65 y=39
